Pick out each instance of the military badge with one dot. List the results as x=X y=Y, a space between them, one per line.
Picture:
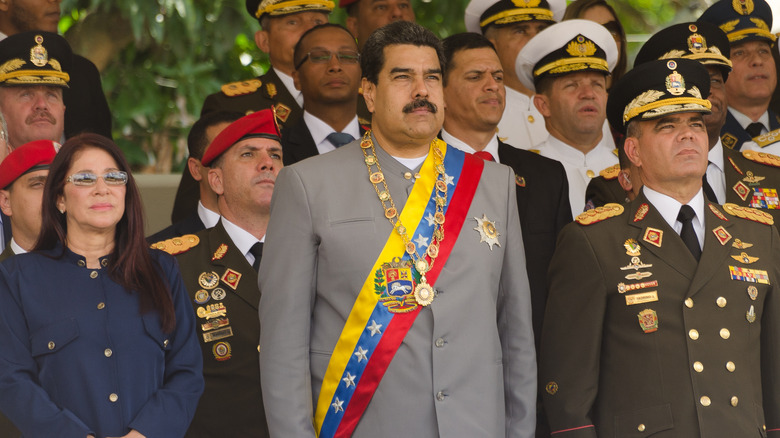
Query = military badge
x=752 y=179
x=653 y=236
x=218 y=294
x=635 y=264
x=741 y=190
x=231 y=278
x=722 y=235
x=208 y=280
x=220 y=252
x=717 y=213
x=641 y=212
x=752 y=292
x=744 y=258
x=750 y=315
x=610 y=172
x=201 y=296
x=743 y=7
x=632 y=247
x=648 y=320
x=394 y=283
x=211 y=311
x=221 y=351
x=551 y=388
x=734 y=165
x=728 y=140
x=749 y=275
x=271 y=90
x=623 y=288
x=39 y=56
x=765 y=199
x=599 y=214
x=241 y=88
x=642 y=298
x=749 y=213
x=282 y=111
x=697 y=43
x=638 y=275
x=675 y=84
x=739 y=244
x=581 y=47
x=520 y=181
x=765 y=140
x=487 y=231
x=214 y=324
x=218 y=334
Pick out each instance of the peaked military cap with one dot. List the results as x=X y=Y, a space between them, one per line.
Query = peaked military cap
x=35 y=58
x=742 y=20
x=29 y=157
x=278 y=8
x=570 y=46
x=703 y=42
x=260 y=124
x=659 y=88
x=482 y=13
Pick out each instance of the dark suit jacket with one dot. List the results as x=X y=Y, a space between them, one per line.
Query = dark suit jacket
x=231 y=404
x=190 y=225
x=733 y=135
x=543 y=205
x=86 y=108
x=297 y=143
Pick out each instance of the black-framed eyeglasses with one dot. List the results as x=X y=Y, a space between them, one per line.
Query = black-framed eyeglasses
x=324 y=56
x=113 y=178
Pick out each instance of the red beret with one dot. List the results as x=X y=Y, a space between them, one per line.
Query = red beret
x=34 y=155
x=258 y=124
x=345 y=3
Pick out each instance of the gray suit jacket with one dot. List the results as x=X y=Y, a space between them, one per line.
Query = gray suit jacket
x=473 y=347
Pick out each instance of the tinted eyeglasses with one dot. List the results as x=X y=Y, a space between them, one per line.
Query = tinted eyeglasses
x=113 y=178
x=323 y=57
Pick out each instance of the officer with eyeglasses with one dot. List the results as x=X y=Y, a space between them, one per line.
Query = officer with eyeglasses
x=327 y=72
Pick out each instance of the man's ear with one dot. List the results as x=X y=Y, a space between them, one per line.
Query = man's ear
x=631 y=146
x=262 y=41
x=194 y=166
x=5 y=202
x=369 y=94
x=542 y=103
x=215 y=181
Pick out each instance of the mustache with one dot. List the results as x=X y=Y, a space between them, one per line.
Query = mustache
x=41 y=114
x=265 y=175
x=420 y=103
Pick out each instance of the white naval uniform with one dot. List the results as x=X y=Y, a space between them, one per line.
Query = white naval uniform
x=522 y=125
x=580 y=168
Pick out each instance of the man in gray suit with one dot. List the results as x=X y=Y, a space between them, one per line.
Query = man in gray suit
x=376 y=319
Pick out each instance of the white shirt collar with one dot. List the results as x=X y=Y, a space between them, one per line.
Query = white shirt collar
x=16 y=248
x=289 y=84
x=744 y=120
x=241 y=238
x=669 y=208
x=208 y=217
x=457 y=143
x=320 y=130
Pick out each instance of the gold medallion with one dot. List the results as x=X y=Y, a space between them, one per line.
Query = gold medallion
x=377 y=177
x=422 y=266
x=439 y=218
x=424 y=293
x=208 y=280
x=487 y=231
x=390 y=213
x=433 y=251
x=410 y=248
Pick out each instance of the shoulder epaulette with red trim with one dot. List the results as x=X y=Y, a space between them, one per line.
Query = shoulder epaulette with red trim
x=177 y=245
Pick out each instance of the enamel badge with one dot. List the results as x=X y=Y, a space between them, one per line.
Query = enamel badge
x=220 y=252
x=742 y=190
x=632 y=247
x=648 y=320
x=221 y=351
x=744 y=258
x=722 y=235
x=38 y=54
x=208 y=280
x=231 y=278
x=394 y=283
x=641 y=212
x=752 y=292
x=739 y=244
x=653 y=236
x=487 y=231
x=717 y=213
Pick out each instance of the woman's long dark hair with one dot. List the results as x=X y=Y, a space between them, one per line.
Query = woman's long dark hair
x=130 y=263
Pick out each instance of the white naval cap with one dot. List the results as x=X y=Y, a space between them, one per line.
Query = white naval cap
x=570 y=46
x=482 y=13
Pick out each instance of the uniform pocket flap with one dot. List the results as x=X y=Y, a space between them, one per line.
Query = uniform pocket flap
x=53 y=337
x=644 y=422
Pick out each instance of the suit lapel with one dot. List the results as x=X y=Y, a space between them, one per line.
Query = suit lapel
x=233 y=259
x=715 y=252
x=506 y=156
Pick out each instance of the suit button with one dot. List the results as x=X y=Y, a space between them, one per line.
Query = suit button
x=108 y=352
x=689 y=303
x=641 y=428
x=725 y=333
x=531 y=119
x=93 y=274
x=590 y=173
x=101 y=306
x=694 y=334
x=734 y=401
x=440 y=342
x=104 y=262
x=705 y=401
x=258 y=348
x=730 y=366
x=440 y=396
x=82 y=263
x=408 y=175
x=113 y=398
x=698 y=366
x=721 y=302
x=51 y=345
x=165 y=343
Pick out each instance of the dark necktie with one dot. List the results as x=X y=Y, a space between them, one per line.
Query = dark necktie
x=754 y=129
x=339 y=139
x=487 y=156
x=708 y=192
x=687 y=233
x=257 y=251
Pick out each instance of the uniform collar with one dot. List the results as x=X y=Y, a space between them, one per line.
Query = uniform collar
x=744 y=120
x=241 y=238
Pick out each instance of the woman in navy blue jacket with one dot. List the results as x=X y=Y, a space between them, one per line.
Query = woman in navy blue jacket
x=97 y=337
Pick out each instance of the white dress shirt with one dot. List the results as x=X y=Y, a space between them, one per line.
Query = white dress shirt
x=242 y=239
x=522 y=125
x=208 y=217
x=16 y=248
x=492 y=146
x=716 y=177
x=670 y=208
x=289 y=84
x=320 y=131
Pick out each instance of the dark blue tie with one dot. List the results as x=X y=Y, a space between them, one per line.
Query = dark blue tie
x=339 y=139
x=257 y=251
x=687 y=233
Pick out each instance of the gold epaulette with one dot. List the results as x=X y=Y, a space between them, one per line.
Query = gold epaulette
x=598 y=214
x=749 y=213
x=241 y=88
x=177 y=245
x=768 y=138
x=762 y=157
x=610 y=172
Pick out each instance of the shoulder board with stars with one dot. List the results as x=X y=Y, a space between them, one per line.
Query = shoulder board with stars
x=599 y=214
x=610 y=172
x=177 y=245
x=762 y=157
x=748 y=213
x=768 y=138
x=241 y=88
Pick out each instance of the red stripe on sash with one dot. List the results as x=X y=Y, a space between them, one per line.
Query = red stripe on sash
x=401 y=323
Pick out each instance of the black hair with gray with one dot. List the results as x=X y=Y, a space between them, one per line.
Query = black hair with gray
x=372 y=59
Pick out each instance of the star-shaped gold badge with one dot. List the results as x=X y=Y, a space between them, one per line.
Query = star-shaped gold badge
x=487 y=231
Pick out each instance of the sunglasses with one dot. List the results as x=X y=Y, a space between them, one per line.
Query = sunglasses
x=324 y=56
x=113 y=178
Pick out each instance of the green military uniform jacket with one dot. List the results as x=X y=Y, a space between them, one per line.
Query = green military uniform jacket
x=640 y=340
x=223 y=290
x=753 y=182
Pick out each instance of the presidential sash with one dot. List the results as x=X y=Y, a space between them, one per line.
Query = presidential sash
x=385 y=308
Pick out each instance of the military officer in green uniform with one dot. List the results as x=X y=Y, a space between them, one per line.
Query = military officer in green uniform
x=663 y=314
x=219 y=268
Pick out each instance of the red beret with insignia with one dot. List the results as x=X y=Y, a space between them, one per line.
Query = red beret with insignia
x=258 y=124
x=35 y=155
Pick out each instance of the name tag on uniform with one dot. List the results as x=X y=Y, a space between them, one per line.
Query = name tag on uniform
x=217 y=335
x=641 y=298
